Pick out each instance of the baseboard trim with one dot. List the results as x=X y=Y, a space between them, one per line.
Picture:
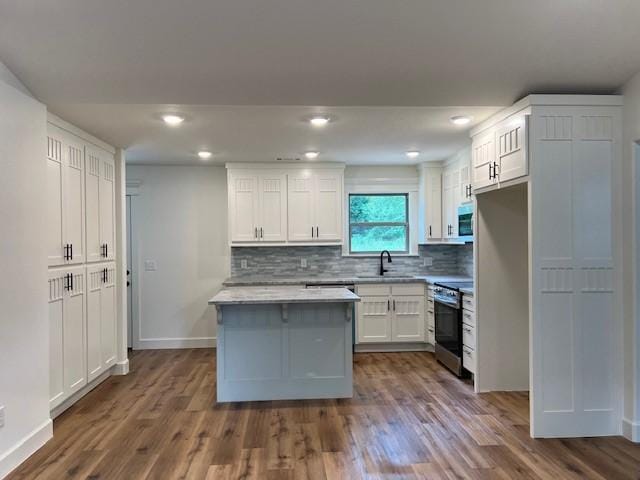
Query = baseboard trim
x=393 y=347
x=69 y=402
x=121 y=368
x=631 y=430
x=172 y=343
x=10 y=460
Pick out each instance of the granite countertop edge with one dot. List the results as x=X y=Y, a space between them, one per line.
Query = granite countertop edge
x=281 y=295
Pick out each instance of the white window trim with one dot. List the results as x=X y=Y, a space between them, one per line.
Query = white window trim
x=407 y=186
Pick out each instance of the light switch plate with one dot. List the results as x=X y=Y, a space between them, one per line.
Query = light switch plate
x=243 y=264
x=428 y=261
x=150 y=266
x=303 y=262
x=1 y=416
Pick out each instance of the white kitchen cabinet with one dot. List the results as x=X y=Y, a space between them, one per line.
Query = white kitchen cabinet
x=101 y=318
x=257 y=207
x=408 y=318
x=500 y=153
x=511 y=141
x=65 y=198
x=450 y=200
x=67 y=333
x=430 y=203
x=390 y=313
x=100 y=204
x=483 y=159
x=430 y=319
x=315 y=205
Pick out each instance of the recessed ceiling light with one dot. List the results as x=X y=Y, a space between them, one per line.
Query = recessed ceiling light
x=311 y=155
x=413 y=153
x=460 y=120
x=203 y=154
x=172 y=120
x=319 y=120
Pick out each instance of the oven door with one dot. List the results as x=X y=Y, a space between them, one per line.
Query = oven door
x=448 y=328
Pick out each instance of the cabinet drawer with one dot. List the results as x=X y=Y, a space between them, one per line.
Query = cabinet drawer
x=469 y=317
x=468 y=302
x=469 y=359
x=407 y=289
x=373 y=290
x=431 y=335
x=468 y=336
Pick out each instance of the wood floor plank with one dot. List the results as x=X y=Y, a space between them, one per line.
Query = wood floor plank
x=408 y=419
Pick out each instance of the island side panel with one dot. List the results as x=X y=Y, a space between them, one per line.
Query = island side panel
x=264 y=356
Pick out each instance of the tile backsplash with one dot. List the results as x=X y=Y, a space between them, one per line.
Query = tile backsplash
x=328 y=261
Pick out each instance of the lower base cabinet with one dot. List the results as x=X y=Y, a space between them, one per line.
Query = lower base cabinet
x=67 y=333
x=82 y=327
x=101 y=318
x=390 y=313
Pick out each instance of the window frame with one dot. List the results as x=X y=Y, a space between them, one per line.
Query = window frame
x=405 y=224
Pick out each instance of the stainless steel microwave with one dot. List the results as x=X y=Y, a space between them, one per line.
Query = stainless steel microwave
x=465 y=222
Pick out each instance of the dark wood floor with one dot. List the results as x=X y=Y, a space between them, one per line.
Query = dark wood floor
x=408 y=419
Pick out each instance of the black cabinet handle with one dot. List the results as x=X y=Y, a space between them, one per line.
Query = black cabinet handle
x=490 y=172
x=317 y=232
x=255 y=232
x=495 y=170
x=312 y=235
x=429 y=230
x=261 y=233
x=388 y=305
x=67 y=283
x=71 y=258
x=106 y=250
x=104 y=276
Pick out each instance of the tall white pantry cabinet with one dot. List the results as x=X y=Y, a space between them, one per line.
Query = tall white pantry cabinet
x=81 y=257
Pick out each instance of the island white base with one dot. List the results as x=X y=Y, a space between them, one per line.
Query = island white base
x=284 y=352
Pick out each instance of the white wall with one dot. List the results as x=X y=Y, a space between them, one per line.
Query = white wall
x=180 y=222
x=631 y=265
x=24 y=327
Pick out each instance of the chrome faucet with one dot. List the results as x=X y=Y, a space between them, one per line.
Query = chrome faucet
x=382 y=269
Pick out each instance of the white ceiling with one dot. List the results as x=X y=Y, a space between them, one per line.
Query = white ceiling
x=357 y=136
x=308 y=52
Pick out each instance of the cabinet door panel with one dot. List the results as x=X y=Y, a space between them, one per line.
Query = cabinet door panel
x=374 y=320
x=483 y=155
x=74 y=346
x=107 y=205
x=94 y=293
x=56 y=353
x=74 y=197
x=328 y=206
x=434 y=205
x=92 y=204
x=301 y=207
x=55 y=199
x=243 y=201
x=512 y=149
x=272 y=219
x=408 y=319
x=108 y=317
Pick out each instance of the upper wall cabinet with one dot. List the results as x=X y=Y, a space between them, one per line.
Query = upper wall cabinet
x=284 y=205
x=80 y=200
x=430 y=203
x=499 y=152
x=65 y=198
x=315 y=205
x=100 y=204
x=257 y=207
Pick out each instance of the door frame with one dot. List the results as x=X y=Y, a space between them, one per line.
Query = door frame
x=132 y=194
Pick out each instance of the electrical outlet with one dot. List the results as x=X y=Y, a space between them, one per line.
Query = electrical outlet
x=428 y=261
x=1 y=416
x=303 y=262
x=243 y=264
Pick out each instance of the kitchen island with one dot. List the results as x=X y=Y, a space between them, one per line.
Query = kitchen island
x=283 y=343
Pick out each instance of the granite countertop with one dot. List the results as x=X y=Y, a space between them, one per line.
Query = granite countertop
x=355 y=280
x=282 y=294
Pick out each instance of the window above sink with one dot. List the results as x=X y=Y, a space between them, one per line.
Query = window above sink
x=378 y=221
